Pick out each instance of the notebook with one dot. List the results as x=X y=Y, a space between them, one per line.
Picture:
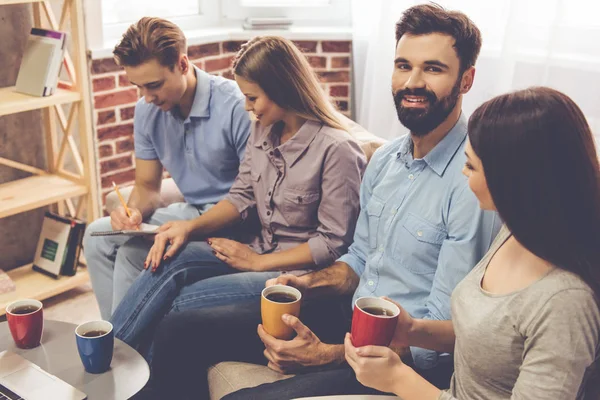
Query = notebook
x=145 y=229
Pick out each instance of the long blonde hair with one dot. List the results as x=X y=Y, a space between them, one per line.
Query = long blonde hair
x=283 y=73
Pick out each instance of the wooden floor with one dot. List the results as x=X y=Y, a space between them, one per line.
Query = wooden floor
x=76 y=306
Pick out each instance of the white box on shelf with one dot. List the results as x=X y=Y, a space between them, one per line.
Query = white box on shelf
x=42 y=59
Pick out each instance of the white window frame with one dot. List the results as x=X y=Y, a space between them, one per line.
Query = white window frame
x=337 y=13
x=100 y=35
x=222 y=20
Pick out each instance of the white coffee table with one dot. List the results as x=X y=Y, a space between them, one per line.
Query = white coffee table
x=58 y=355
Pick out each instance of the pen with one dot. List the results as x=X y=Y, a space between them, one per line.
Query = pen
x=121 y=198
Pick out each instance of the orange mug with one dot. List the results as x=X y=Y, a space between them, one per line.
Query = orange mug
x=276 y=301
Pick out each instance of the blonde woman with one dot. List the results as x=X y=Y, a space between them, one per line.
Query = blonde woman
x=300 y=175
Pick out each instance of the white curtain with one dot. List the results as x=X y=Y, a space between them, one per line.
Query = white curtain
x=526 y=43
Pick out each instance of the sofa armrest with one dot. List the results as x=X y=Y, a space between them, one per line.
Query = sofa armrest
x=368 y=141
x=230 y=376
x=169 y=193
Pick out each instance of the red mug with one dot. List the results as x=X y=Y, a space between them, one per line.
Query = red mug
x=26 y=322
x=373 y=322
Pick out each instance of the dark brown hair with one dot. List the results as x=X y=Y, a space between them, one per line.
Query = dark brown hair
x=541 y=167
x=151 y=38
x=283 y=73
x=433 y=18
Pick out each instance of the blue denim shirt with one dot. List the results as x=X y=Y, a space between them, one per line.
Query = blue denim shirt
x=420 y=229
x=203 y=152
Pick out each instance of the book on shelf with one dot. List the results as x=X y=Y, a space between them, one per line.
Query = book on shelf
x=59 y=245
x=41 y=63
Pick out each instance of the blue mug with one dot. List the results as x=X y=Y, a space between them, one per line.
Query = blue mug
x=95 y=343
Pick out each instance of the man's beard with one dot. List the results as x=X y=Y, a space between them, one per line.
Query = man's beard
x=422 y=121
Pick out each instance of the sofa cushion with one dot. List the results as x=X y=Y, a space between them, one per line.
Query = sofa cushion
x=230 y=376
x=368 y=142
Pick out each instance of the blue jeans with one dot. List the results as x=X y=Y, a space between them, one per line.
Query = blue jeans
x=114 y=262
x=194 y=279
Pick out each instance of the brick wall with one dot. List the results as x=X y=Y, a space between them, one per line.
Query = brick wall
x=114 y=98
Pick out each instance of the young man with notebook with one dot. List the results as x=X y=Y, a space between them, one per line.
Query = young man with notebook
x=188 y=122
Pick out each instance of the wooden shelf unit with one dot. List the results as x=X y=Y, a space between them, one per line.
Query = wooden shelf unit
x=36 y=191
x=55 y=184
x=6 y=2
x=12 y=102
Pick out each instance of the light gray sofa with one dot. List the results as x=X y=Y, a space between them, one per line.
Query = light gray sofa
x=228 y=377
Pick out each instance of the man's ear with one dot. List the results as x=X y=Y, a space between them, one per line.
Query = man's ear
x=467 y=80
x=183 y=64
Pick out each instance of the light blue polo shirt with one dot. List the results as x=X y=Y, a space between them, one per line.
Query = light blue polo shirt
x=203 y=152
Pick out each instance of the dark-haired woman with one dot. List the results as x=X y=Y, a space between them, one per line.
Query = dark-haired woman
x=526 y=320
